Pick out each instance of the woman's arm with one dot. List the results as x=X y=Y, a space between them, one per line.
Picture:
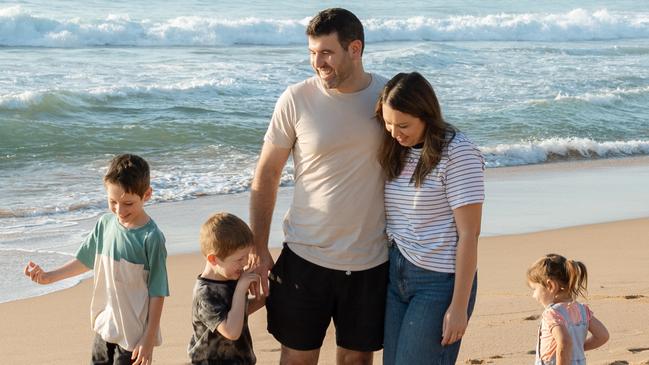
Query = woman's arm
x=467 y=219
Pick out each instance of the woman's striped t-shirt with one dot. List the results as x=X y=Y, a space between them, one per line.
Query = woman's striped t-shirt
x=420 y=220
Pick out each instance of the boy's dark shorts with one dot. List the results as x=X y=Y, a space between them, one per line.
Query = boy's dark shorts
x=106 y=353
x=305 y=296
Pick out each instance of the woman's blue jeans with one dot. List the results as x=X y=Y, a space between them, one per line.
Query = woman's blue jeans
x=416 y=303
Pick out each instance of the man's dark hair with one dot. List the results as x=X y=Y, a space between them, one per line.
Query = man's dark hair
x=341 y=21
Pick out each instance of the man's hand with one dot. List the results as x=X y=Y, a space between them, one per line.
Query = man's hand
x=262 y=261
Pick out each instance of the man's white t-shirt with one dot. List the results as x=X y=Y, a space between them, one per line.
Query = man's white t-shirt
x=336 y=219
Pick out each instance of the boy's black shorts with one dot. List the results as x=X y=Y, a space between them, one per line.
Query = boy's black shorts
x=109 y=353
x=305 y=296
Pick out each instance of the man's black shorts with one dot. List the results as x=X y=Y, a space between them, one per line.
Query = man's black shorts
x=304 y=297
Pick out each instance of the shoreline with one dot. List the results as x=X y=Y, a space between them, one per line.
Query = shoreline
x=534 y=198
x=634 y=160
x=498 y=333
x=521 y=199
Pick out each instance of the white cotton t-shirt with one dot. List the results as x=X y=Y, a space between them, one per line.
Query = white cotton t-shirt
x=336 y=219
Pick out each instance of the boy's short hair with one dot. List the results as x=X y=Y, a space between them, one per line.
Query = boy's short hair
x=223 y=234
x=130 y=172
x=341 y=21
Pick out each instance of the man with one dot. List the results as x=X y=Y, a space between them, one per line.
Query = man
x=333 y=264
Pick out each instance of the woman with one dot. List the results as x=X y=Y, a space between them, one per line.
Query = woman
x=433 y=202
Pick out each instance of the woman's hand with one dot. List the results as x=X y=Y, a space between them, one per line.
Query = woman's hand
x=455 y=322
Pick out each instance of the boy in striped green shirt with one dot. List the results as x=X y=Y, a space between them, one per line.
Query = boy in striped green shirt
x=126 y=251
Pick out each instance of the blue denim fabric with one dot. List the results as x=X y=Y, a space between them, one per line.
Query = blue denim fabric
x=416 y=303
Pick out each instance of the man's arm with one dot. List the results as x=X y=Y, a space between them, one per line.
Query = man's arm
x=143 y=352
x=262 y=203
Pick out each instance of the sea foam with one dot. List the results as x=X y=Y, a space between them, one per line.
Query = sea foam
x=20 y=28
x=560 y=149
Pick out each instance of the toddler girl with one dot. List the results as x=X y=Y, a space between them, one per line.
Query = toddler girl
x=565 y=323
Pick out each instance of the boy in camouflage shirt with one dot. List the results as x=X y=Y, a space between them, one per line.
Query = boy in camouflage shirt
x=220 y=305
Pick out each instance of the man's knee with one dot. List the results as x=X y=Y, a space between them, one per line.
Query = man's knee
x=350 y=357
x=290 y=356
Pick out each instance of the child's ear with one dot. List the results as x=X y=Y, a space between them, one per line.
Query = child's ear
x=212 y=259
x=147 y=194
x=551 y=285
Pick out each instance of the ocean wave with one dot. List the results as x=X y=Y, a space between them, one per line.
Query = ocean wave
x=35 y=250
x=58 y=100
x=603 y=97
x=560 y=149
x=43 y=101
x=20 y=28
x=81 y=209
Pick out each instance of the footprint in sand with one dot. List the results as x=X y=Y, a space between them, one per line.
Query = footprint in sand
x=634 y=350
x=272 y=350
x=633 y=296
x=619 y=362
x=533 y=317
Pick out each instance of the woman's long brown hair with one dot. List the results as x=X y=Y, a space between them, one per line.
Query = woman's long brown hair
x=412 y=94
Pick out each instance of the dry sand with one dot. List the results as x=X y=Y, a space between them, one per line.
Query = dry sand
x=54 y=329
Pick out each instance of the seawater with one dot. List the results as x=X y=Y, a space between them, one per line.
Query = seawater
x=191 y=86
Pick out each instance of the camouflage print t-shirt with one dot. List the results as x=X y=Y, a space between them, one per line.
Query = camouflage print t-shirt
x=211 y=304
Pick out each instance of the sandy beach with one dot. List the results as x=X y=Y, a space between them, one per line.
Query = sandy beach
x=552 y=201
x=54 y=329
